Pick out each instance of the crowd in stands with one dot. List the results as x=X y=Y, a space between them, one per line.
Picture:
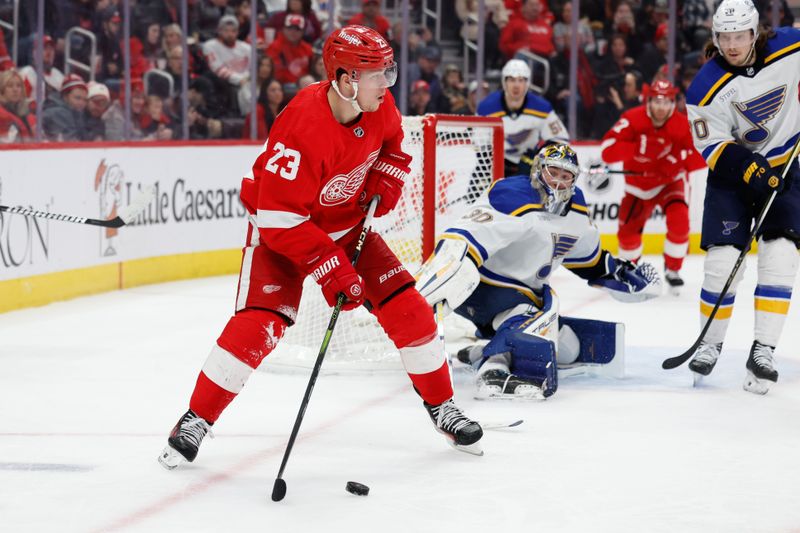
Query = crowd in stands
x=622 y=44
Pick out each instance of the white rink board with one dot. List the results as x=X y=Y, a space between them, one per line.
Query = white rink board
x=197 y=206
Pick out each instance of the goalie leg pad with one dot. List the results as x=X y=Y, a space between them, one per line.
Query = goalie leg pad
x=601 y=345
x=533 y=356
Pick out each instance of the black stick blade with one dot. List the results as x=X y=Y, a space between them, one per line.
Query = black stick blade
x=678 y=360
x=278 y=490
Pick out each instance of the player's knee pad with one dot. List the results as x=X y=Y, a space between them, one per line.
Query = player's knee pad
x=777 y=262
x=251 y=334
x=407 y=319
x=718 y=266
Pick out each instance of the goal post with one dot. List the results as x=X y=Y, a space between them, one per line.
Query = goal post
x=454 y=159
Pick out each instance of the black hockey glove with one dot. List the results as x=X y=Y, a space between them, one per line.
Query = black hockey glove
x=759 y=175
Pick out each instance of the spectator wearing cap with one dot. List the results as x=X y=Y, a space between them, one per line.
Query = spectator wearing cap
x=454 y=90
x=53 y=78
x=16 y=121
x=205 y=17
x=371 y=17
x=98 y=101
x=64 y=120
x=312 y=29
x=654 y=54
x=109 y=45
x=528 y=31
x=289 y=52
x=229 y=59
x=425 y=69
x=419 y=101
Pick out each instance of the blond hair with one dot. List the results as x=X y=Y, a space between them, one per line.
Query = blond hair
x=20 y=108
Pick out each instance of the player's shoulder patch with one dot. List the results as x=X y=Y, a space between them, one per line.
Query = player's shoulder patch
x=785 y=42
x=537 y=106
x=709 y=81
x=578 y=204
x=515 y=196
x=492 y=105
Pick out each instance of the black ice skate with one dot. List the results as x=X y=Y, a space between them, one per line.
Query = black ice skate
x=499 y=384
x=674 y=281
x=184 y=440
x=470 y=354
x=761 y=372
x=461 y=432
x=704 y=359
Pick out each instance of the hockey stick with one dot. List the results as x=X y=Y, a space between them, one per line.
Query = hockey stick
x=279 y=488
x=127 y=213
x=605 y=170
x=678 y=360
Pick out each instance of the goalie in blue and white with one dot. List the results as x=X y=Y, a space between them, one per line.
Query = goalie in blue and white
x=493 y=266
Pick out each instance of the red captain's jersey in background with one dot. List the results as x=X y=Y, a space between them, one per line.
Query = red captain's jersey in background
x=662 y=154
x=305 y=188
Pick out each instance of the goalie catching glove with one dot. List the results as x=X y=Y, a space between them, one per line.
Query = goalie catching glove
x=334 y=274
x=629 y=282
x=386 y=179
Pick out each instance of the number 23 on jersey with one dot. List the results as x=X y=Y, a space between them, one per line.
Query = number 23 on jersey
x=284 y=162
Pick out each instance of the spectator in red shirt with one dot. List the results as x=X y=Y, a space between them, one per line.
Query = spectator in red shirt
x=289 y=52
x=16 y=120
x=270 y=103
x=371 y=17
x=312 y=29
x=530 y=31
x=5 y=59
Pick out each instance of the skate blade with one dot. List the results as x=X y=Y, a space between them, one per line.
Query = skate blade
x=473 y=449
x=755 y=385
x=697 y=379
x=170 y=458
x=674 y=291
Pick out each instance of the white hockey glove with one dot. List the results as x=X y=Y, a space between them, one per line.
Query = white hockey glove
x=448 y=276
x=631 y=283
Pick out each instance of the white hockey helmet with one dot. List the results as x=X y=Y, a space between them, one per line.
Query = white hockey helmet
x=734 y=15
x=516 y=68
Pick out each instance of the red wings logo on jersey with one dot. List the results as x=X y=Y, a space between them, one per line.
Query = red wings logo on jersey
x=345 y=186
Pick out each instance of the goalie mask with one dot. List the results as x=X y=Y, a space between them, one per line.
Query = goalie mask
x=555 y=170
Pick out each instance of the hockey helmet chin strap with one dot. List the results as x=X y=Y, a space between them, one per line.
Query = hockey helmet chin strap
x=352 y=100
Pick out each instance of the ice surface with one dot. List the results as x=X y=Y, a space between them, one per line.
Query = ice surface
x=90 y=388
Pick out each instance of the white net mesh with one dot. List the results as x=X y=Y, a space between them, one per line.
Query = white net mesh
x=464 y=166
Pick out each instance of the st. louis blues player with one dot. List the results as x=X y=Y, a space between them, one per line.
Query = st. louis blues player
x=745 y=119
x=493 y=266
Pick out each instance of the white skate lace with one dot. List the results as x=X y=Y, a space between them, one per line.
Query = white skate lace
x=762 y=355
x=707 y=353
x=451 y=418
x=195 y=429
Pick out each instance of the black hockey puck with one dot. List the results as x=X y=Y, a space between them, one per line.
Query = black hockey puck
x=354 y=487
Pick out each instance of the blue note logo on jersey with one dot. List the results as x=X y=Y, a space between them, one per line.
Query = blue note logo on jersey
x=518 y=138
x=759 y=111
x=729 y=226
x=562 y=244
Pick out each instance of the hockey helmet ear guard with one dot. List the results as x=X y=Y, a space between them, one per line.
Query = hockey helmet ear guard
x=555 y=170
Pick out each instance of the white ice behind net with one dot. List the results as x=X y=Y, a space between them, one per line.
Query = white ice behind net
x=463 y=172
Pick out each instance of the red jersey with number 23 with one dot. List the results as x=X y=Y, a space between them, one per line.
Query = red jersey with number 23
x=305 y=188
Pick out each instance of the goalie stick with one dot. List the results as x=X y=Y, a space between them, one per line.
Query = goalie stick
x=279 y=488
x=678 y=360
x=126 y=216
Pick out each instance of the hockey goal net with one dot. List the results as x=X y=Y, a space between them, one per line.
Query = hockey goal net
x=455 y=159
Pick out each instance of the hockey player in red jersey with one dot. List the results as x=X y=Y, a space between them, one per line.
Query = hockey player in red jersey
x=654 y=142
x=334 y=147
